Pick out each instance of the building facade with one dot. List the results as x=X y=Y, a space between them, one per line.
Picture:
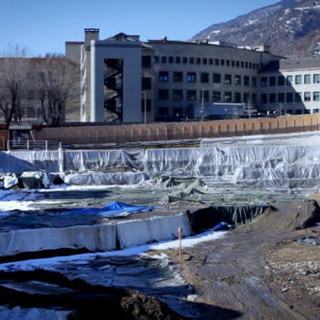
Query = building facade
x=291 y=86
x=129 y=81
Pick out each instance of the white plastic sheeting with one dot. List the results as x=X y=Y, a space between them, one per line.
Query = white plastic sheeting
x=96 y=159
x=102 y=237
x=137 y=232
x=94 y=238
x=100 y=178
x=270 y=161
x=50 y=160
x=263 y=166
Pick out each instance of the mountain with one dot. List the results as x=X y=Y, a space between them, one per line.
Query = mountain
x=290 y=27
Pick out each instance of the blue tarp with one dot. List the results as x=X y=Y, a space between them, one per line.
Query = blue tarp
x=113 y=209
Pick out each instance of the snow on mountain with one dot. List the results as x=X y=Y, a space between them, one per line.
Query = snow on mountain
x=290 y=27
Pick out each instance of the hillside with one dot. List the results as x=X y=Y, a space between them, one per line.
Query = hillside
x=290 y=27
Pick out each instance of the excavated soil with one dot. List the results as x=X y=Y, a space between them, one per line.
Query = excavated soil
x=267 y=269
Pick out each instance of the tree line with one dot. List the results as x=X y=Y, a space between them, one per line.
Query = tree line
x=52 y=79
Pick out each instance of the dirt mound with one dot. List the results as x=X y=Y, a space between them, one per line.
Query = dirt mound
x=299 y=215
x=142 y=307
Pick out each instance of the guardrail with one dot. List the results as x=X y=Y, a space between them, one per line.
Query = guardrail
x=33 y=145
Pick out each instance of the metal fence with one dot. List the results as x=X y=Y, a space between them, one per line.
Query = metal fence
x=33 y=145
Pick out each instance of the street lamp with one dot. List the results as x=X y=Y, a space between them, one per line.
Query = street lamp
x=145 y=106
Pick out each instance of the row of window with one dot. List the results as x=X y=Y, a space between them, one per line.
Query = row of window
x=289 y=80
x=206 y=77
x=206 y=61
x=205 y=95
x=290 y=97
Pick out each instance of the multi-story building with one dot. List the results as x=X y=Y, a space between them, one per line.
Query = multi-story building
x=291 y=86
x=126 y=80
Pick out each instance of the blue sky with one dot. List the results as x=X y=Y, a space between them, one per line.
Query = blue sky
x=43 y=26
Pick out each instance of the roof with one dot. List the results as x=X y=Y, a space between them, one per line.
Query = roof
x=292 y=64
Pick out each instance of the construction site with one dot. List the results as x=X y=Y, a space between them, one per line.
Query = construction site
x=199 y=220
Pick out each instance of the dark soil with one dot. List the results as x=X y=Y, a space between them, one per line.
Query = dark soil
x=261 y=270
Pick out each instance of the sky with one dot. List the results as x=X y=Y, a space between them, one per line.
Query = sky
x=43 y=26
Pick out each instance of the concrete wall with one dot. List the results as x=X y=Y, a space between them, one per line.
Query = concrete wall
x=179 y=130
x=130 y=52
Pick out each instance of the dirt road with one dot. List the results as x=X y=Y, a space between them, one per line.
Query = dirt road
x=262 y=270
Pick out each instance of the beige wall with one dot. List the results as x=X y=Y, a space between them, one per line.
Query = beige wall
x=180 y=130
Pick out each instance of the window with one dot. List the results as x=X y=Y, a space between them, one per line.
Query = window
x=281 y=97
x=191 y=95
x=146 y=105
x=198 y=61
x=204 y=94
x=289 y=80
x=178 y=60
x=246 y=81
x=170 y=59
x=146 y=83
x=264 y=98
x=254 y=81
x=163 y=76
x=307 y=96
x=216 y=96
x=177 y=76
x=177 y=112
x=177 y=95
x=316 y=78
x=246 y=97
x=272 y=82
x=163 y=112
x=298 y=79
x=191 y=77
x=264 y=81
x=227 y=78
x=191 y=60
x=307 y=78
x=281 y=80
x=146 y=61
x=163 y=94
x=185 y=60
x=237 y=97
x=289 y=97
x=156 y=59
x=204 y=61
x=216 y=62
x=297 y=97
x=227 y=96
x=163 y=59
x=254 y=98
x=204 y=76
x=272 y=97
x=316 y=96
x=237 y=79
x=216 y=78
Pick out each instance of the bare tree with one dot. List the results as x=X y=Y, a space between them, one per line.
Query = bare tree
x=13 y=82
x=55 y=84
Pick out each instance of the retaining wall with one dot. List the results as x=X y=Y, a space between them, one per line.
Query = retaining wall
x=175 y=131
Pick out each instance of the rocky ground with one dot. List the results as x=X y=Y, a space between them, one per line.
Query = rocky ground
x=268 y=269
